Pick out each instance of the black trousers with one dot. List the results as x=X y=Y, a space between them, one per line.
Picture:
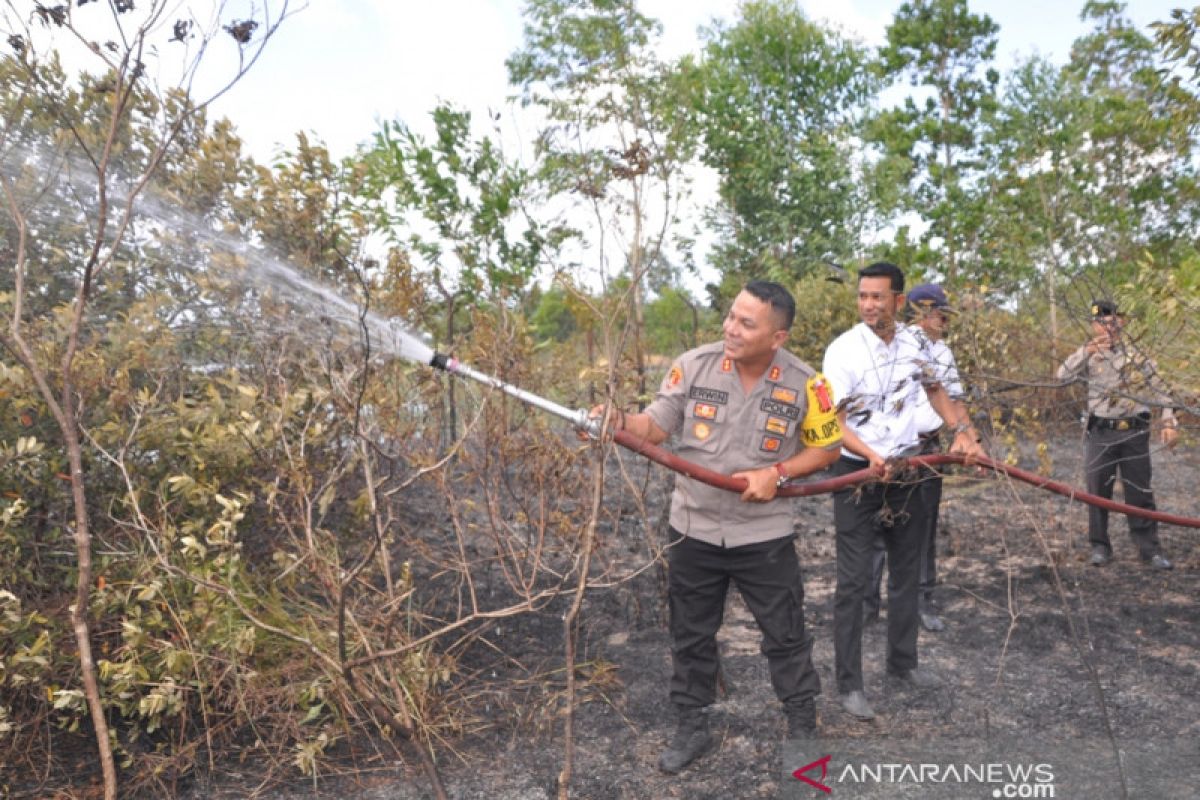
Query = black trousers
x=896 y=511
x=1109 y=452
x=768 y=577
x=931 y=497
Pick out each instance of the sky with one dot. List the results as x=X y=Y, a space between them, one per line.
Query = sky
x=337 y=68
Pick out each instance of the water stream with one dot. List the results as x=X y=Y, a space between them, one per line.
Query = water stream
x=67 y=189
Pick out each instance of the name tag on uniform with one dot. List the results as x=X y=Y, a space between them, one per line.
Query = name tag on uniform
x=708 y=395
x=779 y=409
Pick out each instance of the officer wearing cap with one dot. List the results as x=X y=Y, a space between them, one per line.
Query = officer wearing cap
x=879 y=368
x=927 y=311
x=1122 y=385
x=748 y=407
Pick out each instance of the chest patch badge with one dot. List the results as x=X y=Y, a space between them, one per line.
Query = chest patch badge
x=784 y=395
x=771 y=444
x=702 y=430
x=705 y=411
x=777 y=425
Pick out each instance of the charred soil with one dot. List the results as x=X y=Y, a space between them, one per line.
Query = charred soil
x=1038 y=643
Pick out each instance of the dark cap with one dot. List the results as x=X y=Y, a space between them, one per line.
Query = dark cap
x=1104 y=308
x=929 y=296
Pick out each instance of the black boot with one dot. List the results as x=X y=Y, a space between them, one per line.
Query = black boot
x=801 y=719
x=691 y=741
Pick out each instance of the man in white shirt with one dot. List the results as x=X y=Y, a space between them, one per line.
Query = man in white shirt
x=879 y=368
x=928 y=312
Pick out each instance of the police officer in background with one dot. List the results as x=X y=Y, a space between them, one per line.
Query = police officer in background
x=927 y=310
x=1122 y=384
x=748 y=407
x=879 y=368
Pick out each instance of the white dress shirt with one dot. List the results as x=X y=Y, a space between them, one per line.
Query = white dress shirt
x=945 y=371
x=881 y=385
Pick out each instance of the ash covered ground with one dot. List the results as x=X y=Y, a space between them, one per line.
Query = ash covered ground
x=1034 y=637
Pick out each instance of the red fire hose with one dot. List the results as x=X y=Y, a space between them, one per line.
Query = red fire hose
x=807 y=488
x=579 y=418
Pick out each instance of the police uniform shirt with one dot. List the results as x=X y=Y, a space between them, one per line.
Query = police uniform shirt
x=1120 y=384
x=945 y=371
x=880 y=384
x=720 y=427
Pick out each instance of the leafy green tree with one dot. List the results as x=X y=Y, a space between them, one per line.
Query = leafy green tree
x=777 y=100
x=83 y=157
x=1140 y=162
x=1176 y=41
x=1037 y=193
x=457 y=204
x=614 y=142
x=944 y=49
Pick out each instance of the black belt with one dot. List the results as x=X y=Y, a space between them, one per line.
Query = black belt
x=1137 y=423
x=929 y=442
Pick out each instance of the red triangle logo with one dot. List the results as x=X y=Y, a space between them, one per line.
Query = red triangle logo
x=823 y=763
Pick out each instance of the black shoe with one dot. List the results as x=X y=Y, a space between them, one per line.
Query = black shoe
x=1101 y=555
x=918 y=678
x=855 y=704
x=801 y=720
x=1159 y=562
x=692 y=740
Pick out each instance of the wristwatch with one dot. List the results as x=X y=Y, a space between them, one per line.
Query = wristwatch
x=783 y=476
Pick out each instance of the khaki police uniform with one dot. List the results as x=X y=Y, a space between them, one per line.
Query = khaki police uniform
x=717 y=537
x=1120 y=386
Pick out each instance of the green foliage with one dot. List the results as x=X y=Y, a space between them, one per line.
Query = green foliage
x=776 y=99
x=675 y=322
x=943 y=48
x=482 y=247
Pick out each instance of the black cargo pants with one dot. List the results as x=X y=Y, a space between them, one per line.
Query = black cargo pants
x=768 y=576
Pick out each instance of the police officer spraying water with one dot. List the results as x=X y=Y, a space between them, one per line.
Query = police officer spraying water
x=748 y=407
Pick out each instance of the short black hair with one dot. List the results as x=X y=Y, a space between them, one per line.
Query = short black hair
x=884 y=269
x=779 y=298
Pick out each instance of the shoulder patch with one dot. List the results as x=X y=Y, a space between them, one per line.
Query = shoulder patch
x=820 y=426
x=675 y=376
x=774 y=374
x=727 y=365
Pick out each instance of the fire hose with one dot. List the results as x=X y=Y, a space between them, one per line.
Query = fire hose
x=579 y=418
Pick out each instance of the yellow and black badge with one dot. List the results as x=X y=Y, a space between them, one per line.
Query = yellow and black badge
x=820 y=426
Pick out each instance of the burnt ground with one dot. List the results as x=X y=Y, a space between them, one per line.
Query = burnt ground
x=1014 y=668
